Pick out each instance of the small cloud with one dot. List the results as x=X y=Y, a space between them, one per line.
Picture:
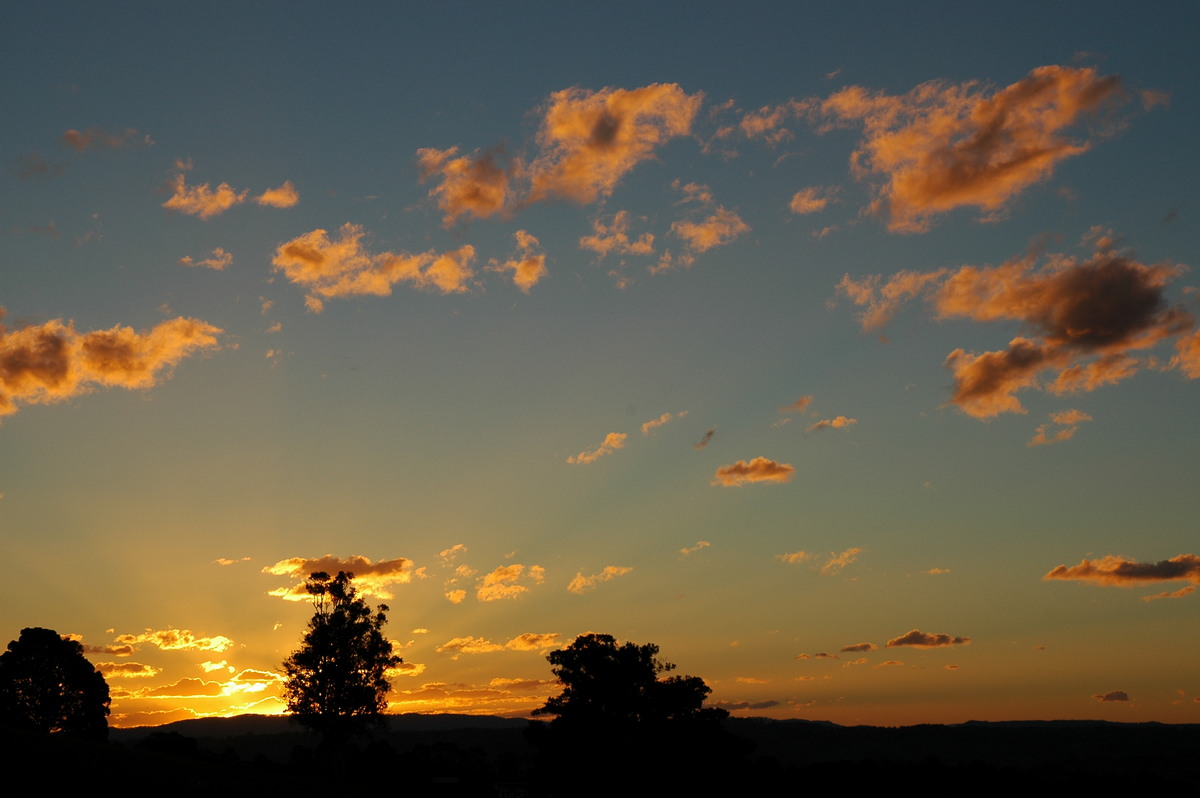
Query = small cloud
x=527 y=266
x=227 y=561
x=719 y=229
x=858 y=647
x=614 y=238
x=532 y=641
x=839 y=561
x=581 y=583
x=798 y=406
x=760 y=469
x=456 y=596
x=812 y=200
x=98 y=137
x=937 y=571
x=201 y=200
x=793 y=557
x=370 y=578
x=655 y=423
x=919 y=639
x=218 y=260
x=285 y=196
x=125 y=670
x=611 y=442
x=468 y=645
x=505 y=581
x=1123 y=572
x=1112 y=695
x=176 y=640
x=841 y=422
x=706 y=439
x=700 y=544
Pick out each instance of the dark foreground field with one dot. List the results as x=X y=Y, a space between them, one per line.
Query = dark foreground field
x=466 y=755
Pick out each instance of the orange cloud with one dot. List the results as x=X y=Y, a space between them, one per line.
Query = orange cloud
x=942 y=146
x=655 y=423
x=52 y=362
x=530 y=641
x=468 y=645
x=582 y=584
x=590 y=140
x=858 y=647
x=125 y=670
x=342 y=267
x=527 y=267
x=612 y=442
x=760 y=469
x=201 y=200
x=533 y=641
x=219 y=260
x=614 y=237
x=700 y=544
x=1085 y=318
x=370 y=578
x=1068 y=419
x=474 y=185
x=793 y=557
x=721 y=227
x=919 y=639
x=798 y=406
x=504 y=581
x=176 y=640
x=839 y=561
x=80 y=140
x=840 y=422
x=1123 y=572
x=811 y=200
x=285 y=196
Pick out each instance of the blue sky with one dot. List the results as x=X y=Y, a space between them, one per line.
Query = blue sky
x=456 y=406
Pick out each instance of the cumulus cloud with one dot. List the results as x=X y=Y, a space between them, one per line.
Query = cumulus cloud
x=944 y=146
x=201 y=200
x=527 y=266
x=468 y=645
x=1122 y=572
x=582 y=584
x=612 y=441
x=720 y=228
x=285 y=196
x=812 y=200
x=655 y=423
x=125 y=670
x=93 y=137
x=858 y=647
x=508 y=581
x=218 y=260
x=342 y=267
x=456 y=596
x=841 y=422
x=533 y=641
x=590 y=140
x=1086 y=319
x=760 y=469
x=1112 y=695
x=176 y=640
x=51 y=362
x=919 y=639
x=370 y=578
x=614 y=238
x=706 y=439
x=700 y=544
x=476 y=185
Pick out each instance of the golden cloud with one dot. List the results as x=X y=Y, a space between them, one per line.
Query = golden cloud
x=590 y=140
x=612 y=441
x=1123 y=572
x=760 y=469
x=839 y=561
x=811 y=200
x=527 y=266
x=476 y=185
x=52 y=362
x=125 y=670
x=655 y=423
x=614 y=237
x=582 y=584
x=798 y=406
x=370 y=578
x=533 y=641
x=342 y=267
x=919 y=639
x=942 y=146
x=840 y=422
x=201 y=200
x=285 y=196
x=219 y=260
x=793 y=557
x=700 y=544
x=505 y=581
x=176 y=640
x=721 y=227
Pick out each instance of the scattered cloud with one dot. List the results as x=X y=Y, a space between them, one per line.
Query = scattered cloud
x=919 y=639
x=478 y=185
x=33 y=165
x=51 y=362
x=125 y=670
x=614 y=237
x=506 y=581
x=1123 y=572
x=527 y=267
x=944 y=146
x=98 y=137
x=449 y=555
x=937 y=571
x=1112 y=695
x=760 y=469
x=201 y=200
x=285 y=196
x=720 y=228
x=582 y=584
x=655 y=423
x=228 y=561
x=612 y=441
x=705 y=439
x=218 y=260
x=700 y=544
x=456 y=596
x=1068 y=421
x=468 y=645
x=370 y=578
x=533 y=641
x=812 y=199
x=839 y=561
x=793 y=557
x=798 y=406
x=841 y=422
x=176 y=640
x=858 y=647
x=590 y=140
x=342 y=267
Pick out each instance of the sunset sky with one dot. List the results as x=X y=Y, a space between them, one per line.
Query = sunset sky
x=850 y=352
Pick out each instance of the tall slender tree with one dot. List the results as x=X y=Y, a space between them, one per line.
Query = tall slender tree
x=337 y=680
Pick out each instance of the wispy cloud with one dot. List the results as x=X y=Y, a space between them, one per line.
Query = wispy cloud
x=98 y=137
x=508 y=581
x=705 y=439
x=219 y=260
x=612 y=441
x=841 y=422
x=700 y=544
x=526 y=265
x=613 y=237
x=582 y=584
x=655 y=423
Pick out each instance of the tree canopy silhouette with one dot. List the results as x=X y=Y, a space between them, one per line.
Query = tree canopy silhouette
x=337 y=680
x=47 y=685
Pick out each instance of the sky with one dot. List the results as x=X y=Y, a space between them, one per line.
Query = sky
x=848 y=352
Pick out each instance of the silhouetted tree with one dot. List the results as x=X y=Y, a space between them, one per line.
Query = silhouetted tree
x=337 y=680
x=47 y=685
x=619 y=719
